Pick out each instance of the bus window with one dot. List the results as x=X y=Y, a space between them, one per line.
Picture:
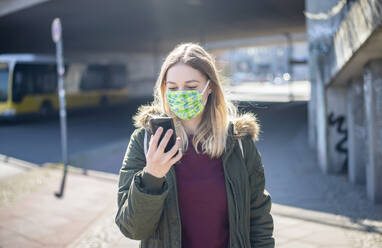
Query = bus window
x=33 y=79
x=4 y=74
x=94 y=78
x=18 y=90
x=45 y=79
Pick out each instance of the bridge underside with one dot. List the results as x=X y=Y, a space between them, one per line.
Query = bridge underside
x=149 y=26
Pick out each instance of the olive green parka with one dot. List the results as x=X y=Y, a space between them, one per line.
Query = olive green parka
x=148 y=206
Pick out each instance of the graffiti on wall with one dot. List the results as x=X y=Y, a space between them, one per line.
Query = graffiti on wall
x=339 y=123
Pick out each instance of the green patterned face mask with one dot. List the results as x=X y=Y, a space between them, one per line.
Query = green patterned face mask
x=186 y=104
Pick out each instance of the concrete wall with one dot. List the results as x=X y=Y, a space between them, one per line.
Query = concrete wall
x=337 y=129
x=357 y=151
x=345 y=40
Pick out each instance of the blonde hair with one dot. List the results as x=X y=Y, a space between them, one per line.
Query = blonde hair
x=213 y=128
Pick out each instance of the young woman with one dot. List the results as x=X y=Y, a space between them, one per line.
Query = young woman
x=212 y=193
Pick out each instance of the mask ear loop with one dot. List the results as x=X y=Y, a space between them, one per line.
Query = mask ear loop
x=205 y=88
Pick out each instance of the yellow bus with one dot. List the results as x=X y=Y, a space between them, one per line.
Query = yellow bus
x=28 y=85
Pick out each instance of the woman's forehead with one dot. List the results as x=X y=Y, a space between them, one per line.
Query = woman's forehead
x=182 y=73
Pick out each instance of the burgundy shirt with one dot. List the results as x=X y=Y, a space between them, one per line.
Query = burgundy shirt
x=202 y=200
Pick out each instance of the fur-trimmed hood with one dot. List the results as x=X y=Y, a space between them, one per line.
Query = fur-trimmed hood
x=243 y=125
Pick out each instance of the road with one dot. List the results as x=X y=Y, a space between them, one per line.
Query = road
x=38 y=141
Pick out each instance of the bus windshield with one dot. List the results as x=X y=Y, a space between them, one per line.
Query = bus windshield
x=4 y=73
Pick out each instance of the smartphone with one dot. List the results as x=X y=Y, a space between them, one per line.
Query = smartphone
x=166 y=123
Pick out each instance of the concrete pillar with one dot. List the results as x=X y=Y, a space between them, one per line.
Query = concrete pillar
x=312 y=107
x=337 y=129
x=373 y=109
x=312 y=104
x=321 y=124
x=356 y=131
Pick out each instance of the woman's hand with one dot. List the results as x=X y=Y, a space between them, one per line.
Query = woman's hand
x=158 y=161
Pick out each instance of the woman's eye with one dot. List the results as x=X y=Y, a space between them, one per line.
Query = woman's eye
x=187 y=88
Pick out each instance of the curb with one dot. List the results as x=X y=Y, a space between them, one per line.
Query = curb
x=85 y=172
x=25 y=165
x=17 y=162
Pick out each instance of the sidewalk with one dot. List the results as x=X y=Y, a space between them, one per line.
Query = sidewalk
x=31 y=216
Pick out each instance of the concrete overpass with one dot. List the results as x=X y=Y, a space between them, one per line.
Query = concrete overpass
x=119 y=26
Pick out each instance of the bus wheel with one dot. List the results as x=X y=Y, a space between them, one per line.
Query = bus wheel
x=46 y=110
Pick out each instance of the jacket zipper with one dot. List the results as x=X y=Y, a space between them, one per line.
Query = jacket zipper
x=177 y=205
x=234 y=198
x=238 y=214
x=226 y=176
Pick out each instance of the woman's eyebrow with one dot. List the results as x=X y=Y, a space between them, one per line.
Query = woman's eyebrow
x=188 y=81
